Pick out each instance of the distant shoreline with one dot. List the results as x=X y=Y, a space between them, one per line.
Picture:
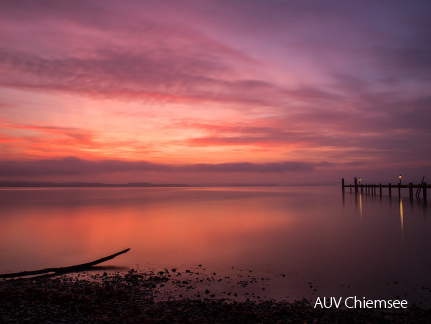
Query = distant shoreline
x=37 y=184
x=42 y=184
x=27 y=184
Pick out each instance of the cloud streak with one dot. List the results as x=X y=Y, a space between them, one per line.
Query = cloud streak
x=76 y=166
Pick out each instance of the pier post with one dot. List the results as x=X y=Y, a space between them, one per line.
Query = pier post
x=411 y=190
x=356 y=185
x=342 y=183
x=390 y=190
x=380 y=190
x=399 y=189
x=425 y=191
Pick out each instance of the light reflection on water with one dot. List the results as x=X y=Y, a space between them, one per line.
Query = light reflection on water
x=351 y=244
x=402 y=217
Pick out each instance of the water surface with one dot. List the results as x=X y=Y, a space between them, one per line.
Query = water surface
x=307 y=241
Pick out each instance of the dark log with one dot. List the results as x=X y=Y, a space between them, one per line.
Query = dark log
x=62 y=270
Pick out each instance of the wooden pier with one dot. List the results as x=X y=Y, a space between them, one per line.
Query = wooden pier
x=372 y=189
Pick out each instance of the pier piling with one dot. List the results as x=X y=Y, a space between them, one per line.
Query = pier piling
x=411 y=190
x=371 y=189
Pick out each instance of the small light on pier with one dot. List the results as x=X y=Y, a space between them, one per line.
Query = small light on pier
x=359 y=180
x=400 y=178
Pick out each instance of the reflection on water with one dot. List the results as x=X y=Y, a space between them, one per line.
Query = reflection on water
x=418 y=202
x=342 y=244
x=401 y=217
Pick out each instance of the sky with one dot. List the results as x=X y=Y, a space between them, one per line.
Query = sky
x=215 y=91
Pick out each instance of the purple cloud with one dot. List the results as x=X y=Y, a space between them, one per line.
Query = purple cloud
x=75 y=166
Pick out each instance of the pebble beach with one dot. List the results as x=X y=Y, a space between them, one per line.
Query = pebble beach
x=136 y=297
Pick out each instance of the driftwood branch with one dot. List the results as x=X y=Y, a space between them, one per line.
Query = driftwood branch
x=74 y=268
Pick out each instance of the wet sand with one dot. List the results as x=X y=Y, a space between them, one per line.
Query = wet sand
x=148 y=297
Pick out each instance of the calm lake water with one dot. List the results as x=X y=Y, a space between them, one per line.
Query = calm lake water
x=299 y=241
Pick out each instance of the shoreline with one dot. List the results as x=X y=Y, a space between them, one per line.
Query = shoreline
x=132 y=298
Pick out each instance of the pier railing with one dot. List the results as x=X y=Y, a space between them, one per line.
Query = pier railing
x=373 y=188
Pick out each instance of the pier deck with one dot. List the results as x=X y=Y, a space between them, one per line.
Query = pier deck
x=372 y=188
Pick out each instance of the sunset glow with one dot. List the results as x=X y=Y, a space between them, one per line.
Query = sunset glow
x=283 y=92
